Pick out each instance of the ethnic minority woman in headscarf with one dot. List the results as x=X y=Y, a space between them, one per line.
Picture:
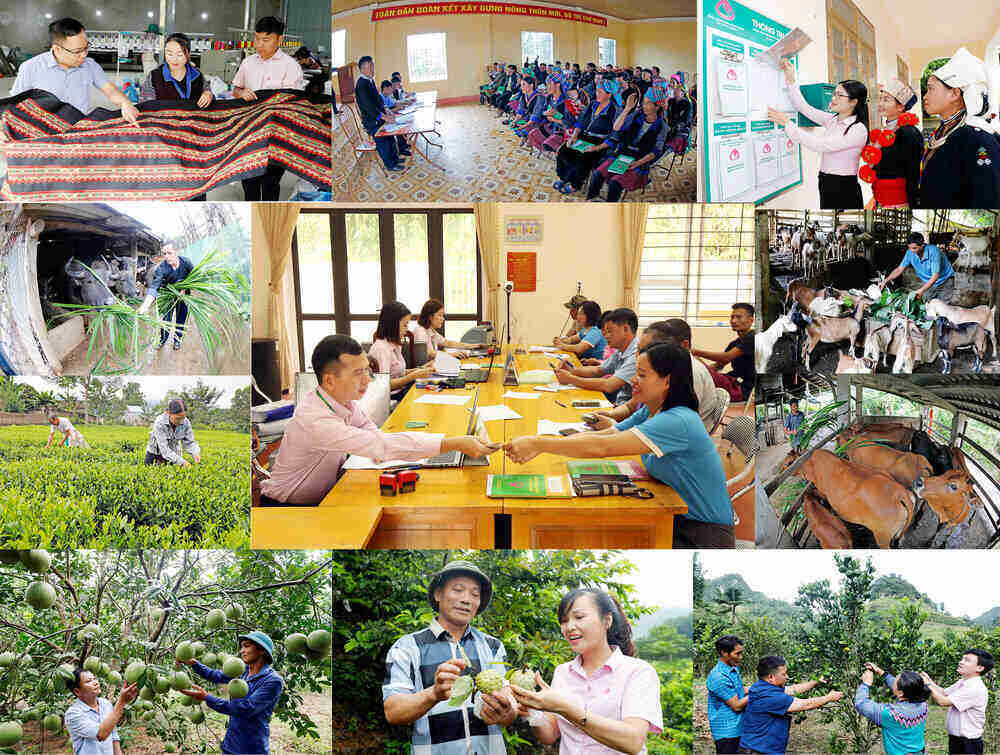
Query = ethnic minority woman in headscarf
x=961 y=160
x=586 y=142
x=894 y=151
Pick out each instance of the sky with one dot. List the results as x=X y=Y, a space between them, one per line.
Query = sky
x=164 y=218
x=955 y=577
x=155 y=387
x=662 y=577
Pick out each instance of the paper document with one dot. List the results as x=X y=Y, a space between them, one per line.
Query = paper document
x=446 y=364
x=534 y=377
x=543 y=349
x=734 y=167
x=790 y=44
x=731 y=82
x=515 y=394
x=496 y=412
x=765 y=160
x=362 y=462
x=447 y=399
x=555 y=388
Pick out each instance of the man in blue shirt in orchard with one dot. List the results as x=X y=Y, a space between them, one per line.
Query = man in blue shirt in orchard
x=766 y=720
x=249 y=727
x=931 y=266
x=727 y=696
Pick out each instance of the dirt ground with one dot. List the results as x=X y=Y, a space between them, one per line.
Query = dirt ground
x=812 y=735
x=190 y=359
x=283 y=742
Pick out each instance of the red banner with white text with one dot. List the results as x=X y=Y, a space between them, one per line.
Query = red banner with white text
x=498 y=9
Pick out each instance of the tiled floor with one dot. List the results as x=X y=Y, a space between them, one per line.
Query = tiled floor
x=482 y=161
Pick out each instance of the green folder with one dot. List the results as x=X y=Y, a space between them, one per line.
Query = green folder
x=592 y=467
x=580 y=145
x=620 y=165
x=523 y=486
x=557 y=115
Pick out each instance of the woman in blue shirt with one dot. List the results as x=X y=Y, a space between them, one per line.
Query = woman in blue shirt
x=588 y=342
x=676 y=449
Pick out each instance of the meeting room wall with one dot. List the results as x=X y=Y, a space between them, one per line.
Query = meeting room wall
x=475 y=41
x=668 y=44
x=814 y=67
x=23 y=23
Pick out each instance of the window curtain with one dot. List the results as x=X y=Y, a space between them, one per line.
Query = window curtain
x=487 y=216
x=273 y=224
x=633 y=237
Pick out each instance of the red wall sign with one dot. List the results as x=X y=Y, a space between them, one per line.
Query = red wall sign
x=498 y=9
x=521 y=270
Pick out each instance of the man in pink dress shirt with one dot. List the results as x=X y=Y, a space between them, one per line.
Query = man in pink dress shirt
x=268 y=68
x=328 y=425
x=966 y=701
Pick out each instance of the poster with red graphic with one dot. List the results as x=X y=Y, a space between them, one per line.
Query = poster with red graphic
x=765 y=152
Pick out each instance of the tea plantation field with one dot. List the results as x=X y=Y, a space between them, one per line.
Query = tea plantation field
x=105 y=497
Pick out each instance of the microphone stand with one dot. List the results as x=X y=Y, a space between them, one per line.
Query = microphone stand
x=508 y=292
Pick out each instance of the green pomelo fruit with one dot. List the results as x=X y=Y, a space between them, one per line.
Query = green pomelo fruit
x=184 y=651
x=135 y=671
x=196 y=716
x=114 y=678
x=36 y=561
x=52 y=722
x=238 y=688
x=234 y=612
x=92 y=664
x=162 y=684
x=199 y=649
x=319 y=639
x=233 y=667
x=210 y=659
x=147 y=693
x=296 y=643
x=215 y=618
x=180 y=680
x=7 y=660
x=40 y=595
x=10 y=733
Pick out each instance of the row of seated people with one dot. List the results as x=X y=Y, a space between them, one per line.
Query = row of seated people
x=504 y=79
x=377 y=105
x=615 y=137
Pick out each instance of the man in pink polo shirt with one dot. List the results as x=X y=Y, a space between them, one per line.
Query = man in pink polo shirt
x=268 y=68
x=328 y=425
x=966 y=702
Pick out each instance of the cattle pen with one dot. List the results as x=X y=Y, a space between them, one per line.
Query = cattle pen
x=824 y=304
x=946 y=427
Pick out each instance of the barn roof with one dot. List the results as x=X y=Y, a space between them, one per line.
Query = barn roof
x=976 y=396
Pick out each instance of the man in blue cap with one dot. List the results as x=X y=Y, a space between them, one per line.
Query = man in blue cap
x=249 y=728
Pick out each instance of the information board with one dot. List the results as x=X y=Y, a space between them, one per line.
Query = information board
x=747 y=158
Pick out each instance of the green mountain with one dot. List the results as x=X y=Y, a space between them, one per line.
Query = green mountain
x=988 y=619
x=754 y=602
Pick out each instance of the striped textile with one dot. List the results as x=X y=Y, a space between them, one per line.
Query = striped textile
x=178 y=152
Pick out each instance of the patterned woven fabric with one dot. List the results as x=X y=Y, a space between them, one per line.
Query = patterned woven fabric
x=179 y=151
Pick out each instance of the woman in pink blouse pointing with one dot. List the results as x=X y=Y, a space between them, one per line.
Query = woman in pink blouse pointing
x=605 y=700
x=844 y=134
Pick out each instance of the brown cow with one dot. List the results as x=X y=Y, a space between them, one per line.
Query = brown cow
x=861 y=495
x=893 y=433
x=901 y=466
x=951 y=495
x=828 y=528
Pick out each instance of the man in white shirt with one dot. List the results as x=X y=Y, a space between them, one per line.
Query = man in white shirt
x=966 y=702
x=92 y=721
x=268 y=68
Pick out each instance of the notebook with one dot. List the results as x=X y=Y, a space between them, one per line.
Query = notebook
x=528 y=486
x=620 y=165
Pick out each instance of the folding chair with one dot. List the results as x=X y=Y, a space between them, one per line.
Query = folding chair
x=721 y=405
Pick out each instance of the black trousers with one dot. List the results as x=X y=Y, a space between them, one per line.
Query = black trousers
x=574 y=167
x=727 y=746
x=152 y=458
x=964 y=745
x=839 y=192
x=182 y=313
x=264 y=188
x=689 y=533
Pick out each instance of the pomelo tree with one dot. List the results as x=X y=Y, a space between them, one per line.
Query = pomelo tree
x=129 y=615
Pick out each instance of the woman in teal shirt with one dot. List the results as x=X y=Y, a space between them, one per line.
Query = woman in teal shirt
x=588 y=342
x=676 y=449
x=904 y=721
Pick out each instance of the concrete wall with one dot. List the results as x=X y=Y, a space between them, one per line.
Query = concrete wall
x=475 y=41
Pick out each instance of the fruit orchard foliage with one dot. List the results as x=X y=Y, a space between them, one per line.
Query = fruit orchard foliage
x=380 y=596
x=282 y=592
x=838 y=632
x=105 y=497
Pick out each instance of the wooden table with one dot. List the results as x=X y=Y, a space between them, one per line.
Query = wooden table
x=424 y=122
x=450 y=509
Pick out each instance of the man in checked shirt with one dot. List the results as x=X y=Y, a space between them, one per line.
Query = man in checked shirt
x=172 y=435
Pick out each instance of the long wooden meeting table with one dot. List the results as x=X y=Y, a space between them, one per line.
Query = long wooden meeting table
x=422 y=123
x=450 y=508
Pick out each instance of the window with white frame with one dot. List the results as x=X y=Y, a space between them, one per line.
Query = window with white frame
x=606 y=53
x=339 y=47
x=537 y=44
x=697 y=261
x=427 y=57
